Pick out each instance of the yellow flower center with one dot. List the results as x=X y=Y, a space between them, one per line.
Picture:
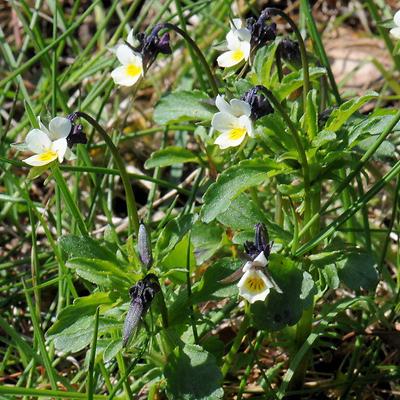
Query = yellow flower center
x=238 y=55
x=49 y=155
x=254 y=284
x=133 y=70
x=236 y=133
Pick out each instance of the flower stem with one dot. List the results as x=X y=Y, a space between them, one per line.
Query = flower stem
x=68 y=198
x=230 y=357
x=302 y=47
x=193 y=45
x=300 y=150
x=130 y=197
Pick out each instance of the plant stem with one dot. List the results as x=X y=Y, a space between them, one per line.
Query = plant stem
x=211 y=78
x=189 y=290
x=352 y=174
x=90 y=381
x=303 y=51
x=68 y=199
x=230 y=357
x=305 y=7
x=300 y=150
x=130 y=197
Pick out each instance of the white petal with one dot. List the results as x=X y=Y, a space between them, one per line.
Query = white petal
x=59 y=128
x=245 y=48
x=253 y=294
x=240 y=107
x=127 y=56
x=260 y=259
x=123 y=77
x=236 y=24
x=131 y=38
x=395 y=32
x=42 y=127
x=232 y=40
x=230 y=58
x=69 y=155
x=226 y=140
x=246 y=123
x=223 y=121
x=41 y=159
x=396 y=18
x=60 y=147
x=223 y=105
x=244 y=35
x=37 y=141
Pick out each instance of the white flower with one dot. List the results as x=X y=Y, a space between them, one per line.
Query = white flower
x=132 y=64
x=48 y=144
x=254 y=284
x=238 y=43
x=233 y=121
x=395 y=32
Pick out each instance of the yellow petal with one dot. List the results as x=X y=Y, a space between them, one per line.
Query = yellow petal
x=236 y=133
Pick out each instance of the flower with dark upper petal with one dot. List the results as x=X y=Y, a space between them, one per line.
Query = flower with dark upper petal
x=76 y=135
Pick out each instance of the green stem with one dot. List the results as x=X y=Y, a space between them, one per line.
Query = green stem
x=68 y=199
x=354 y=173
x=90 y=379
x=230 y=357
x=302 y=47
x=130 y=197
x=211 y=78
x=189 y=290
x=300 y=150
x=305 y=7
x=329 y=230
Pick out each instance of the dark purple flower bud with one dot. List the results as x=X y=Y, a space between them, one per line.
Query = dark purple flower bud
x=259 y=103
x=142 y=294
x=76 y=135
x=261 y=31
x=144 y=246
x=261 y=243
x=290 y=51
x=151 y=45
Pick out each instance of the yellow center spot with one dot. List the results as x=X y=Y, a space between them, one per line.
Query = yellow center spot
x=49 y=155
x=236 y=133
x=254 y=284
x=237 y=55
x=133 y=70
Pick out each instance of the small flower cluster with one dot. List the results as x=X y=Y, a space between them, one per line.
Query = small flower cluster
x=138 y=54
x=241 y=40
x=54 y=142
x=256 y=282
x=235 y=119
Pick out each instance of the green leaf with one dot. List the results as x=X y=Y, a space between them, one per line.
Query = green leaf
x=82 y=306
x=231 y=183
x=80 y=334
x=101 y=272
x=206 y=239
x=112 y=350
x=173 y=233
x=243 y=213
x=340 y=115
x=82 y=246
x=283 y=309
x=192 y=374
x=170 y=156
x=35 y=172
x=211 y=288
x=183 y=106
x=358 y=271
x=294 y=80
x=323 y=137
x=263 y=62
